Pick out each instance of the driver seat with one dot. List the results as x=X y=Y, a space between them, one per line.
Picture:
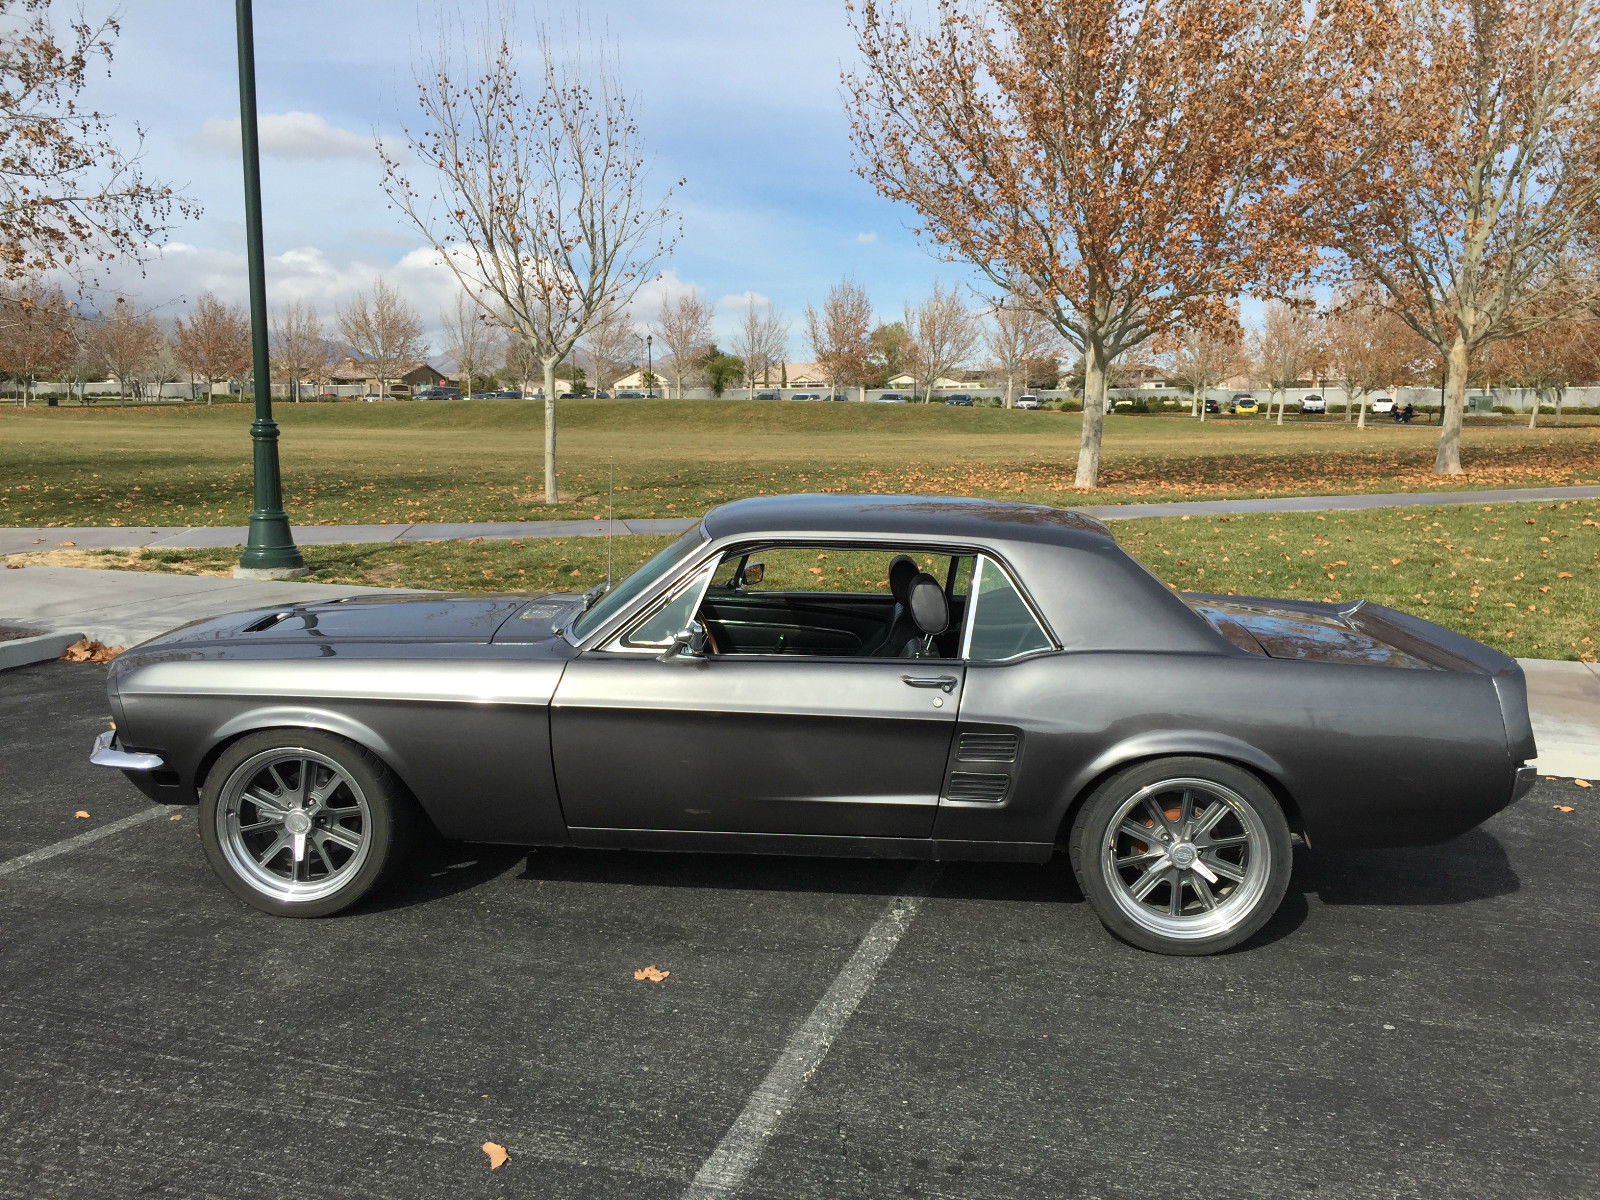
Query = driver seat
x=931 y=611
x=902 y=629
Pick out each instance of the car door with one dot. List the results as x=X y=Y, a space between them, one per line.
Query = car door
x=763 y=743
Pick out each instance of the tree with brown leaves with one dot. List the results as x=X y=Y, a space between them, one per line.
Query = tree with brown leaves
x=215 y=342
x=1204 y=356
x=1017 y=340
x=36 y=332
x=546 y=215
x=1369 y=348
x=70 y=196
x=942 y=334
x=1130 y=162
x=683 y=326
x=383 y=331
x=761 y=342
x=1286 y=348
x=1481 y=170
x=122 y=341
x=841 y=335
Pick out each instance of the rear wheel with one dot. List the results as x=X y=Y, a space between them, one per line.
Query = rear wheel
x=1182 y=855
x=302 y=824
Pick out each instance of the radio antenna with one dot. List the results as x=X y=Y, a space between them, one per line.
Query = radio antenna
x=611 y=484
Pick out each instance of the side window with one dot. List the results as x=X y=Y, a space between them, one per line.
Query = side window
x=660 y=627
x=1002 y=625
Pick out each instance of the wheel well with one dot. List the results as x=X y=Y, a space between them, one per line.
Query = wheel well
x=1291 y=810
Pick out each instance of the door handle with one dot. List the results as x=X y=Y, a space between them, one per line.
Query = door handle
x=945 y=683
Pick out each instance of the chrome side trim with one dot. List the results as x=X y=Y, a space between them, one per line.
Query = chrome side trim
x=106 y=754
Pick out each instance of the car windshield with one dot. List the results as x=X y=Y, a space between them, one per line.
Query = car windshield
x=636 y=584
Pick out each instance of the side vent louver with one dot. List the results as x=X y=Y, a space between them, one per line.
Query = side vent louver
x=987 y=747
x=969 y=785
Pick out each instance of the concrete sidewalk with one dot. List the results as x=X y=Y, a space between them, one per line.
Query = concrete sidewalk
x=122 y=608
x=25 y=540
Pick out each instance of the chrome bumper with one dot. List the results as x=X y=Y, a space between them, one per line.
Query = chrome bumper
x=106 y=754
x=1527 y=776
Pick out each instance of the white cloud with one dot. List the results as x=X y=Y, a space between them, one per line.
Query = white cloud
x=736 y=302
x=300 y=135
x=870 y=238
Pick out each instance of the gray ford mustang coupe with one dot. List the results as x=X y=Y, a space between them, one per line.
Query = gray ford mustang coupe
x=885 y=676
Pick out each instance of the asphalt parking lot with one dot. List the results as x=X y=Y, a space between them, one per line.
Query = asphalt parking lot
x=1413 y=1023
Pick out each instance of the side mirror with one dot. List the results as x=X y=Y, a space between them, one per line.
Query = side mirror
x=752 y=573
x=688 y=642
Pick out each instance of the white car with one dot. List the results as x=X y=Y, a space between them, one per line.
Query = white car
x=1313 y=404
x=1382 y=405
x=1029 y=402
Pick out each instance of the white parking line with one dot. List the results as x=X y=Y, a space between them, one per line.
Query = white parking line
x=12 y=865
x=736 y=1155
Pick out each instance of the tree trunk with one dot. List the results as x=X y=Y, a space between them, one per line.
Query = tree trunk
x=1533 y=413
x=1283 y=399
x=1008 y=391
x=1448 y=459
x=550 y=429
x=1361 y=421
x=1094 y=409
x=1560 y=395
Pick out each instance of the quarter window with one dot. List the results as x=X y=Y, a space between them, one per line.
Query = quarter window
x=1002 y=625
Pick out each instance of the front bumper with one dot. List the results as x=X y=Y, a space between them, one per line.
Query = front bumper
x=107 y=753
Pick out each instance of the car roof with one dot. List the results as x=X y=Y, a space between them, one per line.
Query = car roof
x=956 y=517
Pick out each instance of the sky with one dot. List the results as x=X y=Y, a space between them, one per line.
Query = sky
x=741 y=98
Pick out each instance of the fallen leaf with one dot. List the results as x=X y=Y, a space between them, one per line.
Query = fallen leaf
x=1581 y=782
x=655 y=974
x=175 y=817
x=1562 y=807
x=497 y=1155
x=13 y=566
x=84 y=650
x=69 y=543
x=81 y=815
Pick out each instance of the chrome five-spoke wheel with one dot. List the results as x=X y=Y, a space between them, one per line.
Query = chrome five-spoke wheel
x=300 y=822
x=1182 y=855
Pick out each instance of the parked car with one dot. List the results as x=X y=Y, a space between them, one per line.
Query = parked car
x=483 y=395
x=439 y=393
x=1382 y=405
x=1313 y=404
x=892 y=398
x=1244 y=405
x=808 y=396
x=728 y=695
x=1028 y=402
x=766 y=396
x=959 y=400
x=1212 y=406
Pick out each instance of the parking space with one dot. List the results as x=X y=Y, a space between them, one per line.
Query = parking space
x=1414 y=1022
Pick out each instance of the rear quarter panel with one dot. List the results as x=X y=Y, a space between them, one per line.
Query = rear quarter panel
x=1368 y=756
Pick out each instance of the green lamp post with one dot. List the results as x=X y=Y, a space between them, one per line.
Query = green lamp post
x=269 y=551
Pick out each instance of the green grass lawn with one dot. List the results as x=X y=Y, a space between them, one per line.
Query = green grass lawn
x=1521 y=577
x=479 y=460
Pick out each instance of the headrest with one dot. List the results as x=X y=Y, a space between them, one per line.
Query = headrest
x=929 y=609
x=902 y=570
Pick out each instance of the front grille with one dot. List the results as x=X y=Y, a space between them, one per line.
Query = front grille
x=970 y=785
x=987 y=747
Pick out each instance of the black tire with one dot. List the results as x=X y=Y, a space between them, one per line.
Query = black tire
x=381 y=820
x=1172 y=917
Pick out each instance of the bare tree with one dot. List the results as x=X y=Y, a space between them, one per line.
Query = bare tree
x=299 y=349
x=1286 y=348
x=1204 y=356
x=163 y=366
x=943 y=333
x=1131 y=165
x=69 y=195
x=762 y=341
x=610 y=345
x=546 y=216
x=468 y=339
x=215 y=342
x=1018 y=338
x=841 y=335
x=1478 y=172
x=36 y=331
x=382 y=330
x=122 y=342
x=683 y=326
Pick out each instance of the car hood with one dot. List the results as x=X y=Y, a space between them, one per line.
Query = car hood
x=429 y=619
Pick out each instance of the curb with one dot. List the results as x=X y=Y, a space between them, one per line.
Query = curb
x=44 y=647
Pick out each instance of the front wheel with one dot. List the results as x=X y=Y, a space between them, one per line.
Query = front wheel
x=300 y=823
x=1182 y=855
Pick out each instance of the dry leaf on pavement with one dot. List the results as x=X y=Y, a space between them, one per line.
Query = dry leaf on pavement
x=497 y=1155
x=653 y=973
x=1562 y=807
x=175 y=817
x=1581 y=782
x=81 y=815
x=83 y=650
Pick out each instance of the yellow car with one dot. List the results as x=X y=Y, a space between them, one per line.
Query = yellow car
x=1244 y=406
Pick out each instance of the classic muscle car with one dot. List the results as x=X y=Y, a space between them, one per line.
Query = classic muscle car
x=836 y=675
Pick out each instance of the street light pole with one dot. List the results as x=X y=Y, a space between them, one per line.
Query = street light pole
x=269 y=551
x=649 y=367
